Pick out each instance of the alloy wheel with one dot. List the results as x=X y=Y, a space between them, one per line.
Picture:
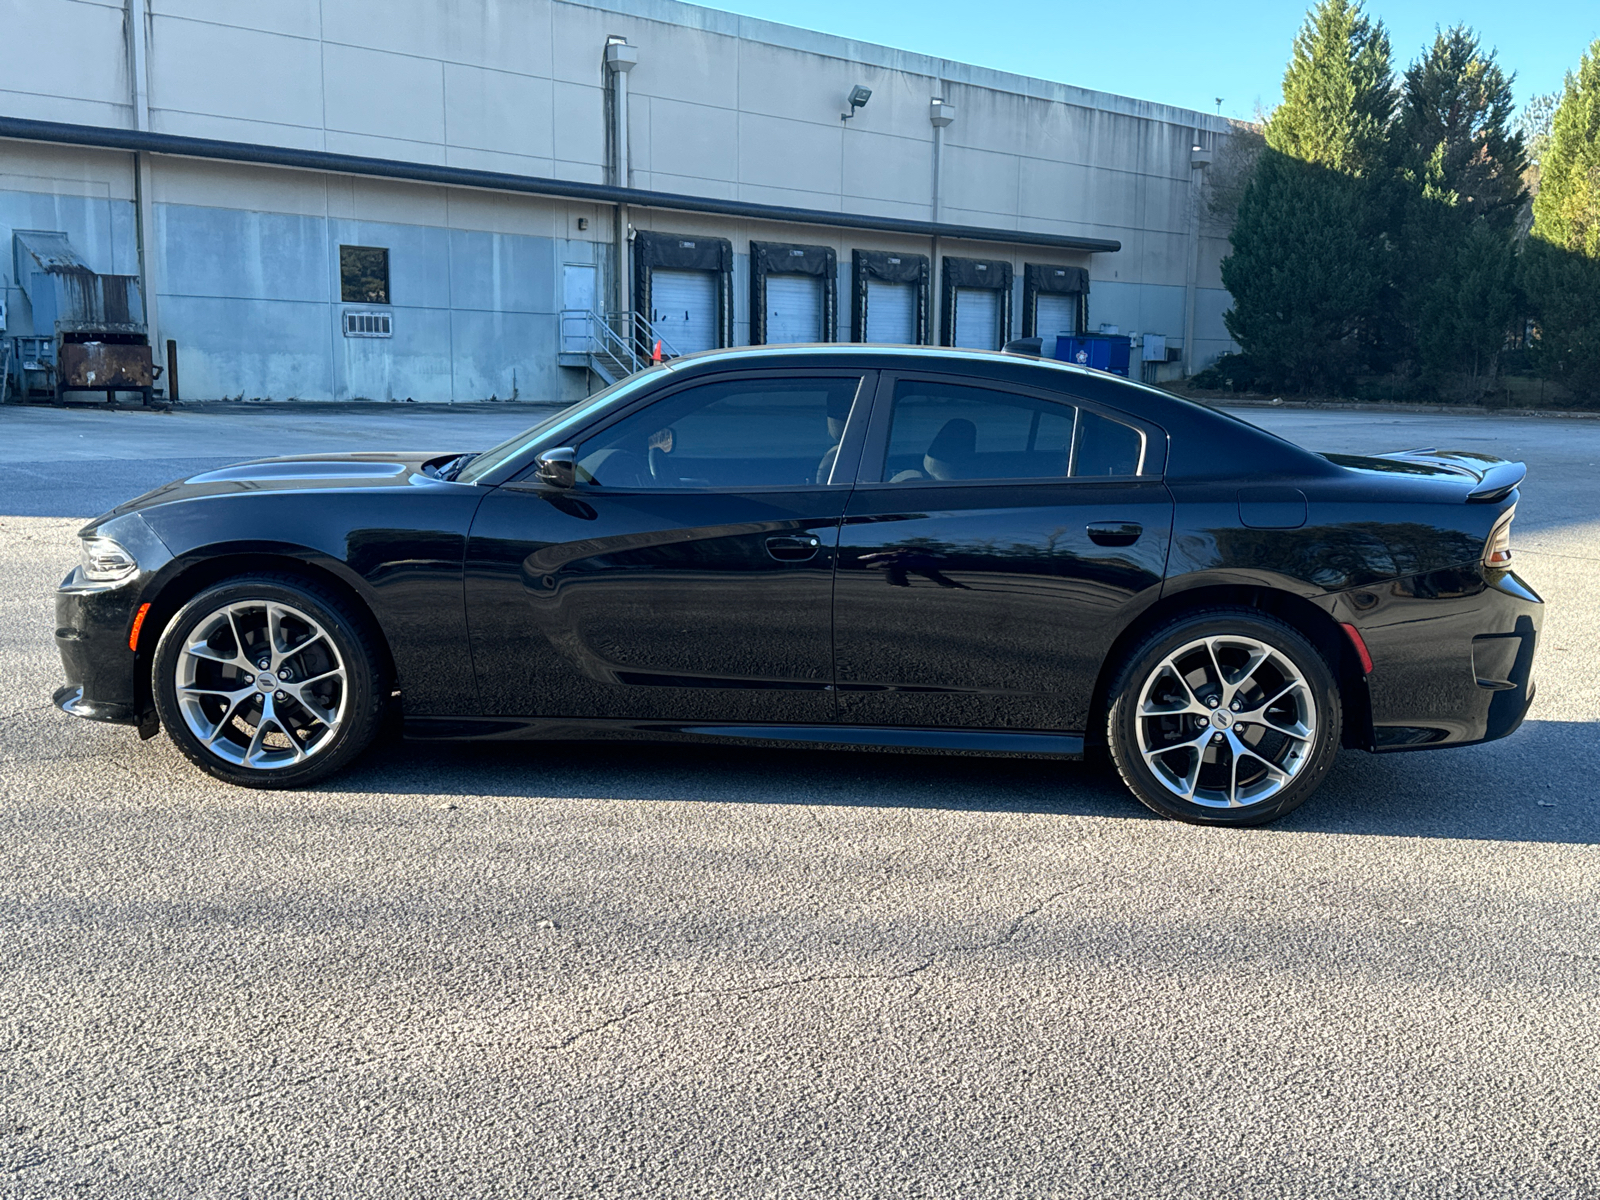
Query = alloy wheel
x=1226 y=722
x=261 y=684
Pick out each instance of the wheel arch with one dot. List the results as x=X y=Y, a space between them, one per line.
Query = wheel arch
x=194 y=576
x=1296 y=611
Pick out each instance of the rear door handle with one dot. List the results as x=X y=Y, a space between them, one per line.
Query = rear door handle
x=797 y=547
x=1115 y=533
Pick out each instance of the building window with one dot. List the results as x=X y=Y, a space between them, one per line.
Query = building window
x=363 y=275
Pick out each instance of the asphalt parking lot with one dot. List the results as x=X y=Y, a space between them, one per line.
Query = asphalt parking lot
x=570 y=971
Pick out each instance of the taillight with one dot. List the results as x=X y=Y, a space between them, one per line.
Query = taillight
x=1497 y=550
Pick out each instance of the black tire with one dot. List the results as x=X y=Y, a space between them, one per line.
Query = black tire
x=338 y=687
x=1280 y=769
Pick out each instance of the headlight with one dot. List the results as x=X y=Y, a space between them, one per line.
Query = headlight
x=107 y=561
x=1497 y=550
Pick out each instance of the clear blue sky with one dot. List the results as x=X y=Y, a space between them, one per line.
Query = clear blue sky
x=1186 y=53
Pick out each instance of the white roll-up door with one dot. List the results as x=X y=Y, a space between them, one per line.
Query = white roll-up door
x=1055 y=315
x=683 y=308
x=794 y=309
x=891 y=312
x=978 y=318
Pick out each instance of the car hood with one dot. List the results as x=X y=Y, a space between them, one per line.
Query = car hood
x=299 y=473
x=1487 y=478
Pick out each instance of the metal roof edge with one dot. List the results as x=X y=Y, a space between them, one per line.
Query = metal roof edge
x=811 y=41
x=139 y=141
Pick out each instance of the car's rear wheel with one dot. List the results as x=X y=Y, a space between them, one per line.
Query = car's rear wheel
x=269 y=681
x=1224 y=717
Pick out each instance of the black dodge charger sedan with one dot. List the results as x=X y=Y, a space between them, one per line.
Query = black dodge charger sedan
x=856 y=546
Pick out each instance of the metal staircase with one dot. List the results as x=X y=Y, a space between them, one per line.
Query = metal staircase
x=611 y=345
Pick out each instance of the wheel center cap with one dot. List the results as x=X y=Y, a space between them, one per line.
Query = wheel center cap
x=1221 y=719
x=266 y=682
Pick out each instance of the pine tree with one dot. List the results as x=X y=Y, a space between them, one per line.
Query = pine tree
x=1461 y=189
x=1338 y=93
x=1455 y=129
x=1308 y=267
x=1561 y=262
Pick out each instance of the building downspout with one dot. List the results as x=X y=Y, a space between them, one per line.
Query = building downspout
x=620 y=59
x=1199 y=159
x=940 y=114
x=144 y=224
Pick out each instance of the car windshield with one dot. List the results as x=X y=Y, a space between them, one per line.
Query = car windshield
x=550 y=431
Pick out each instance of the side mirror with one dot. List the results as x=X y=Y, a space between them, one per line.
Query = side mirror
x=558 y=468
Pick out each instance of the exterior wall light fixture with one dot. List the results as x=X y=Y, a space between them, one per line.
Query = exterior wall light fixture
x=858 y=98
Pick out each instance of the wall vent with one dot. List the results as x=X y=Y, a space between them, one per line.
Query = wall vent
x=368 y=324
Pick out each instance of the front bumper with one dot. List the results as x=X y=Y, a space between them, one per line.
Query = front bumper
x=106 y=680
x=1452 y=654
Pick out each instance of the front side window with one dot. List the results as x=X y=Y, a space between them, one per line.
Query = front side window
x=730 y=434
x=950 y=432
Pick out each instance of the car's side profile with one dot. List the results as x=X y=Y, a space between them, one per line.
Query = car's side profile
x=845 y=546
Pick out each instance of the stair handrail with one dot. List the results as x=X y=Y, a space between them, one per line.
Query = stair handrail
x=646 y=334
x=597 y=336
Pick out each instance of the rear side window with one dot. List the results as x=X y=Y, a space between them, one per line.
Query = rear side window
x=734 y=434
x=947 y=432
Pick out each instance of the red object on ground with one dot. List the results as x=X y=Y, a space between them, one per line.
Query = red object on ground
x=656 y=357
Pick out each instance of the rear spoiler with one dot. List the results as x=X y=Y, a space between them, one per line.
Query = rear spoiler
x=1494 y=478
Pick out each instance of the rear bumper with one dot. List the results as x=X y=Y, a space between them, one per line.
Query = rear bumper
x=1453 y=655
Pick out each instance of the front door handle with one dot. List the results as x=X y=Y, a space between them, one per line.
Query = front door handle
x=797 y=547
x=1115 y=533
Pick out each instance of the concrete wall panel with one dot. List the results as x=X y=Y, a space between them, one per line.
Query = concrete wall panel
x=297 y=18
x=885 y=167
x=499 y=110
x=94 y=74
x=248 y=348
x=382 y=94
x=225 y=71
x=693 y=141
x=495 y=272
x=779 y=153
x=241 y=255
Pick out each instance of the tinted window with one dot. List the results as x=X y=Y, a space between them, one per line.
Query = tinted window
x=1106 y=447
x=749 y=433
x=948 y=431
x=363 y=275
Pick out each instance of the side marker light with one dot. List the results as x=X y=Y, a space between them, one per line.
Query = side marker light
x=1362 y=652
x=138 y=624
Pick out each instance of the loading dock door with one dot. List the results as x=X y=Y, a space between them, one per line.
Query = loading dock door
x=794 y=309
x=683 y=308
x=891 y=313
x=978 y=318
x=1056 y=314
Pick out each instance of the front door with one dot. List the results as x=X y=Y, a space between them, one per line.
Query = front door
x=689 y=574
x=987 y=554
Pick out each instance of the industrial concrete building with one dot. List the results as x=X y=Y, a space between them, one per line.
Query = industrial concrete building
x=459 y=199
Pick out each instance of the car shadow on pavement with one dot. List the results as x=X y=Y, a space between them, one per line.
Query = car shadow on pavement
x=1535 y=786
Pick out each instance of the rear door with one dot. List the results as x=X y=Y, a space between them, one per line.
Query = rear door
x=993 y=543
x=689 y=574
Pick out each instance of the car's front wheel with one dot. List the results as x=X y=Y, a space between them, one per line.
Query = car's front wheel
x=269 y=681
x=1224 y=717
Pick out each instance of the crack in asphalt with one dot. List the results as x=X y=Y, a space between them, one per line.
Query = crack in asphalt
x=629 y=1011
